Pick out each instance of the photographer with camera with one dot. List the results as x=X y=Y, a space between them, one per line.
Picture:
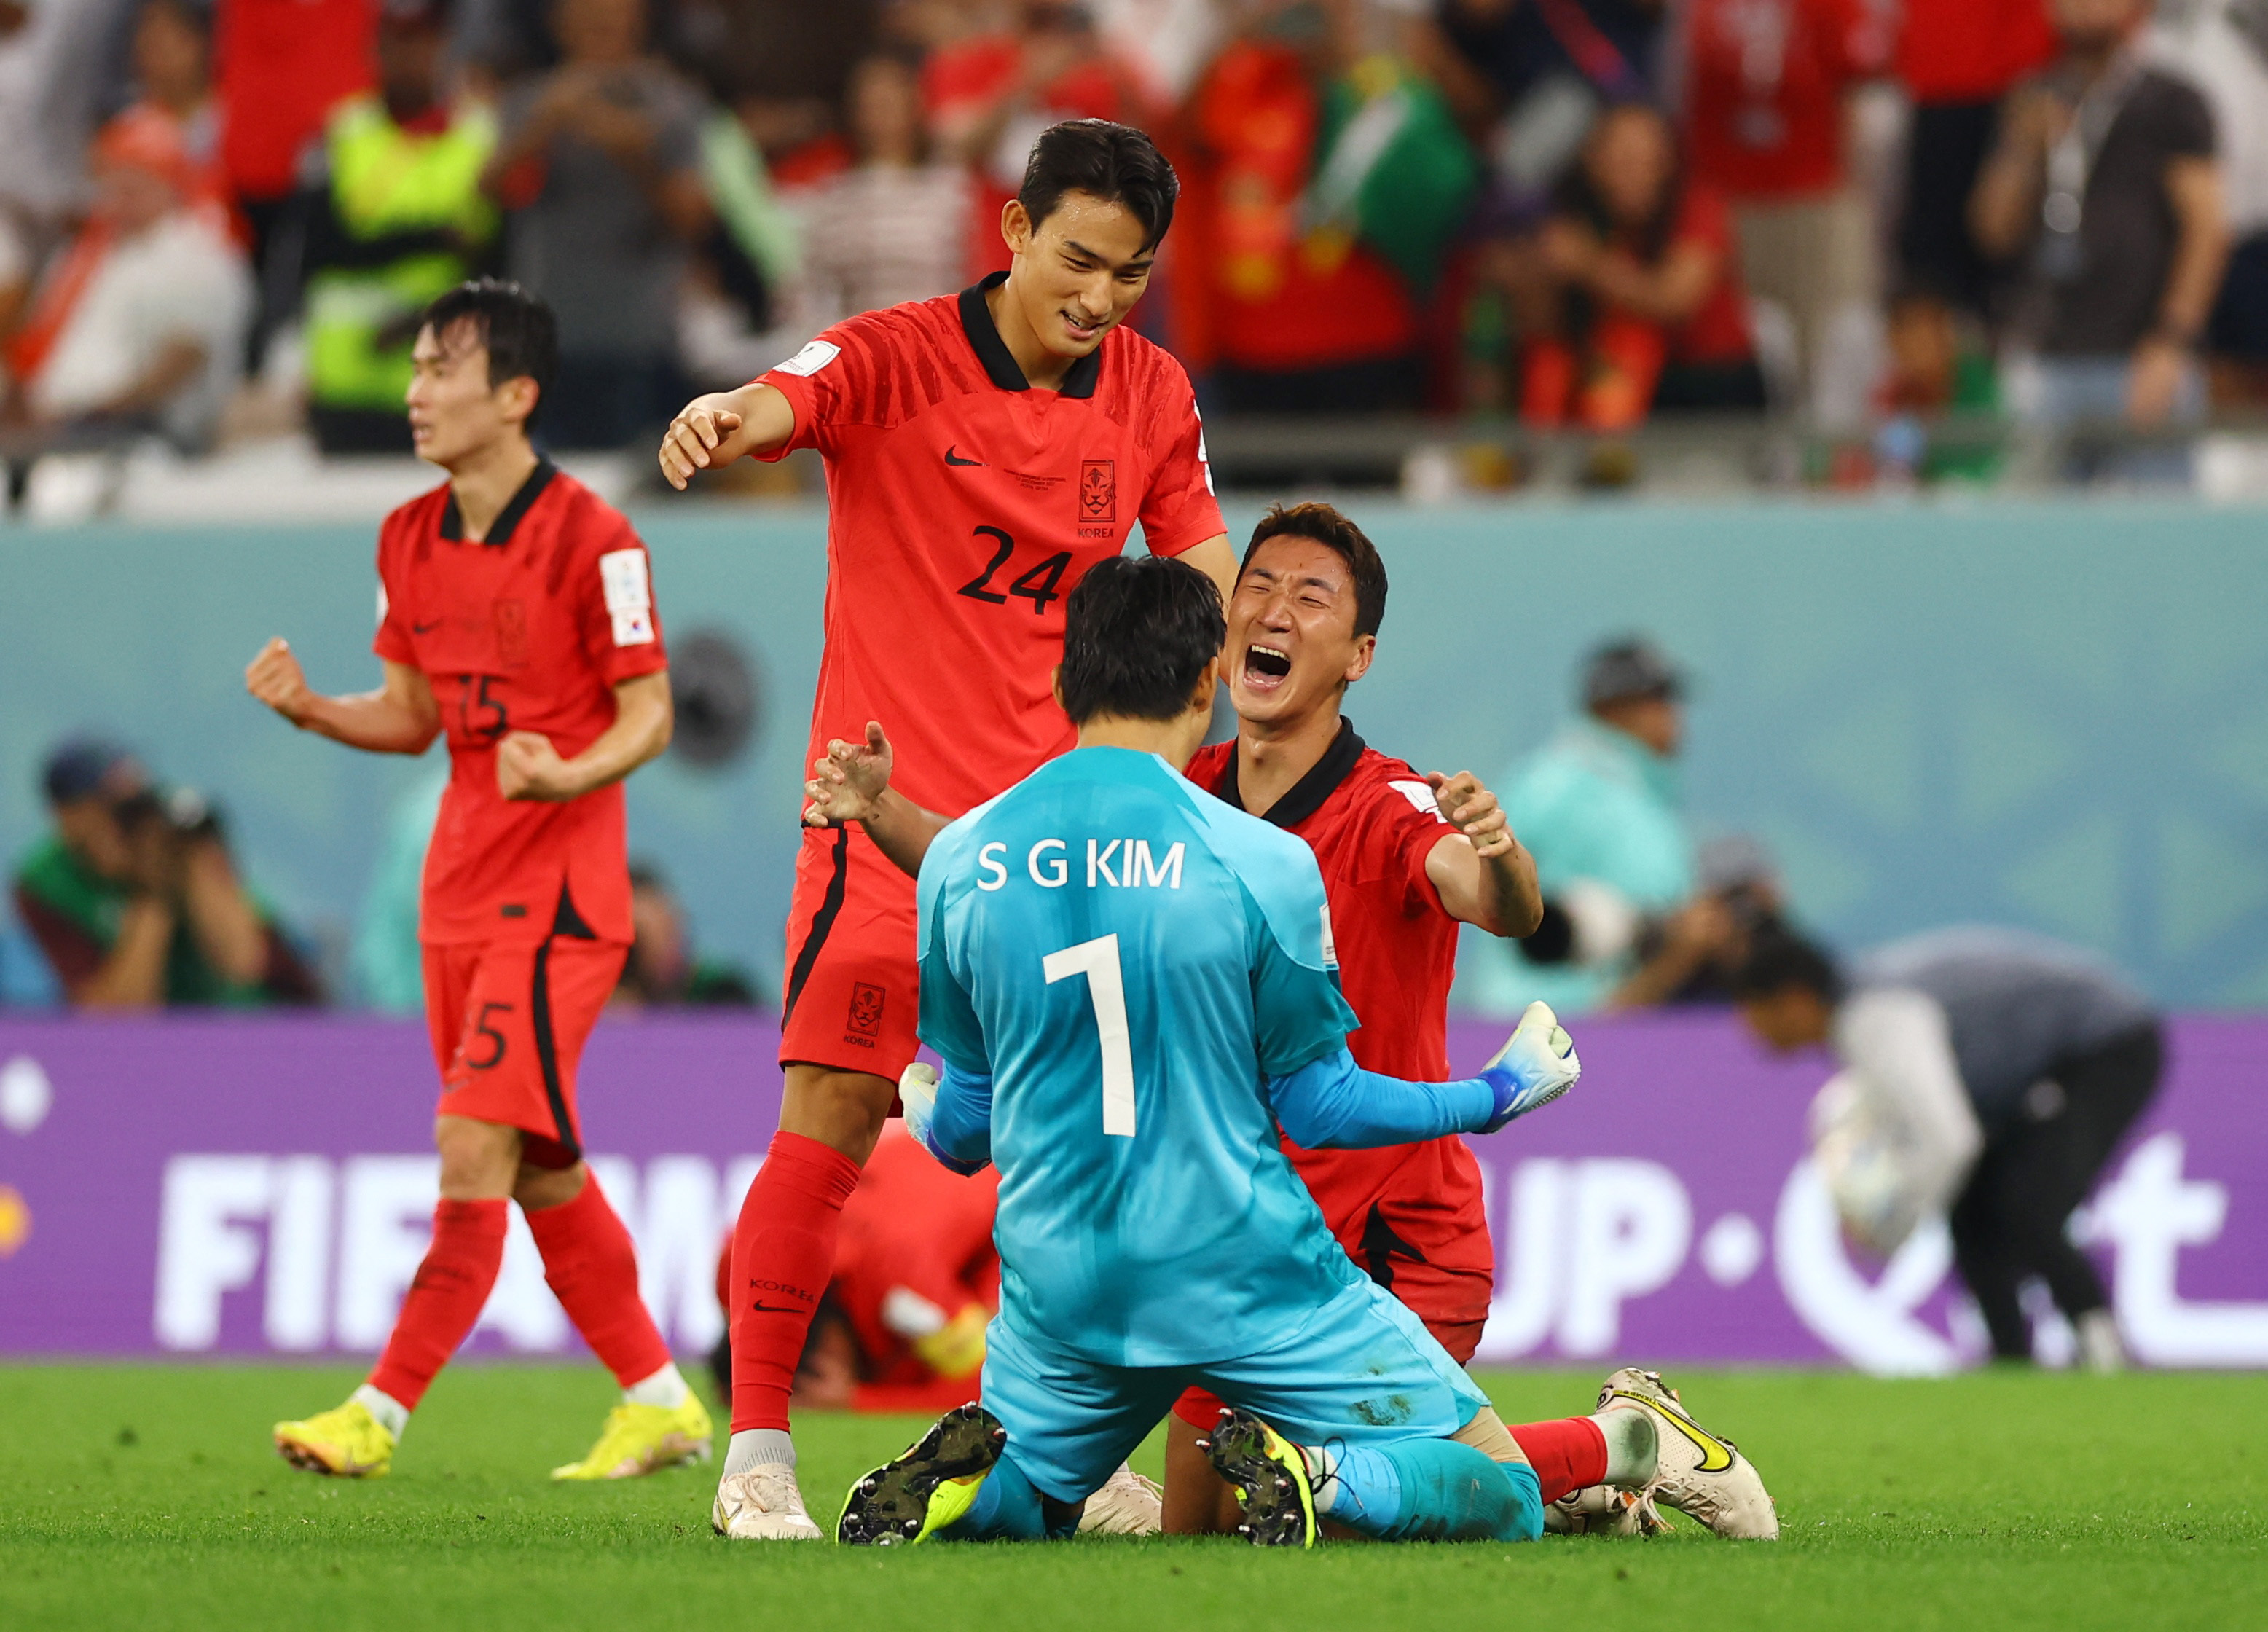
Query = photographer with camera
x=135 y=900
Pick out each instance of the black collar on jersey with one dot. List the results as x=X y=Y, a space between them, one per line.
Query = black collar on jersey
x=500 y=529
x=1306 y=796
x=992 y=351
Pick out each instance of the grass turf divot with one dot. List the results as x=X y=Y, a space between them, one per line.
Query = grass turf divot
x=148 y=1496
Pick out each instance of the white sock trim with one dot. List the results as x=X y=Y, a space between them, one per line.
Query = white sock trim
x=664 y=1388
x=755 y=1447
x=392 y=1415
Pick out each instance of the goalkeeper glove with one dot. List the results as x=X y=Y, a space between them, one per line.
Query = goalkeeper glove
x=917 y=1098
x=1537 y=1065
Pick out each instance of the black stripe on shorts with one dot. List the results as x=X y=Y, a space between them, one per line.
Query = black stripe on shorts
x=822 y=922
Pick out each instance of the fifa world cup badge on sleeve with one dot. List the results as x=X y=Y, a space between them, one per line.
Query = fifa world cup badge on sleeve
x=629 y=596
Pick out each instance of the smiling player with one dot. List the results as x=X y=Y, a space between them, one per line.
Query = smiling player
x=515 y=616
x=982 y=452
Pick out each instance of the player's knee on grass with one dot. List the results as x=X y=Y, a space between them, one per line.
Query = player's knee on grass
x=842 y=1110
x=479 y=1161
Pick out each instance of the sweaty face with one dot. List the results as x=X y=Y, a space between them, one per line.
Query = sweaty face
x=1292 y=646
x=1078 y=272
x=454 y=410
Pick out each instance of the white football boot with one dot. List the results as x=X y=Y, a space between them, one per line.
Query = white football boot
x=1603 y=1510
x=1701 y=1475
x=1128 y=1504
x=762 y=1504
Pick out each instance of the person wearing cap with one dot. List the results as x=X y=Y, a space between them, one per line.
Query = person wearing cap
x=136 y=327
x=1597 y=808
x=134 y=902
x=395 y=215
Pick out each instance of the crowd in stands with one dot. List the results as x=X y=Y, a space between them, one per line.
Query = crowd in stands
x=1580 y=212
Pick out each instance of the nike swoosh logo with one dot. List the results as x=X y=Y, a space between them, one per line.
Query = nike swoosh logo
x=778 y=1308
x=1715 y=1457
x=425 y=629
x=951 y=458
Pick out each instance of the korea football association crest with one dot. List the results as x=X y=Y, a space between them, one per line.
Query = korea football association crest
x=1098 y=492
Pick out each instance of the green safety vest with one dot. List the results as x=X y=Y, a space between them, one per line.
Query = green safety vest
x=385 y=180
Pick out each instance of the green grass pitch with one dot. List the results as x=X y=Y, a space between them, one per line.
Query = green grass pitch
x=147 y=1498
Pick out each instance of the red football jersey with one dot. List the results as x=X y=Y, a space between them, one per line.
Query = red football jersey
x=963 y=507
x=528 y=630
x=916 y=1249
x=1764 y=93
x=1412 y=1215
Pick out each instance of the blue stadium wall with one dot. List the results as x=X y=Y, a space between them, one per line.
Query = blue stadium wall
x=2047 y=714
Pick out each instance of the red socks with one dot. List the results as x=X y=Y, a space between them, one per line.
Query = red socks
x=783 y=1257
x=590 y=1263
x=453 y=1283
x=1568 y=1455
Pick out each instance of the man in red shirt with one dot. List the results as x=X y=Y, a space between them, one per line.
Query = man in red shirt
x=982 y=451
x=1768 y=83
x=1405 y=858
x=515 y=614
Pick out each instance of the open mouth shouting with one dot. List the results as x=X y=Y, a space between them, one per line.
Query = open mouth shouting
x=1266 y=667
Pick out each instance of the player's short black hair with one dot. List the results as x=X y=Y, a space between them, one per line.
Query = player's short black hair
x=1330 y=527
x=1778 y=959
x=1139 y=632
x=1115 y=163
x=521 y=334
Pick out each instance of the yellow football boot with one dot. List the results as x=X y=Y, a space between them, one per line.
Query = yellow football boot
x=346 y=1441
x=913 y=1496
x=1270 y=1477
x=642 y=1439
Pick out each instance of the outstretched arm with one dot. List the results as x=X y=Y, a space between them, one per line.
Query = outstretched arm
x=401 y=716
x=1487 y=877
x=712 y=432
x=1333 y=1103
x=852 y=784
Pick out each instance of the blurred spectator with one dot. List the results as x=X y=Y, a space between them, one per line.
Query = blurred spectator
x=1767 y=83
x=55 y=56
x=2103 y=176
x=388 y=960
x=1693 y=954
x=1628 y=299
x=1331 y=182
x=735 y=318
x=395 y=215
x=1988 y=1076
x=2222 y=46
x=135 y=900
x=1528 y=76
x=136 y=327
x=663 y=970
x=894 y=228
x=1957 y=59
x=173 y=80
x=1939 y=362
x=283 y=66
x=600 y=167
x=1598 y=809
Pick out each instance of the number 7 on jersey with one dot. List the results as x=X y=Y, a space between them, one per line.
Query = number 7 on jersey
x=1105 y=988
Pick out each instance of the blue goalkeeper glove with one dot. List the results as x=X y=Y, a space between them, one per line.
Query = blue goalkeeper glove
x=1537 y=1065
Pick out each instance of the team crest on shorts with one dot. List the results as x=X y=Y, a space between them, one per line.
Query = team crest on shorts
x=1098 y=490
x=866 y=1010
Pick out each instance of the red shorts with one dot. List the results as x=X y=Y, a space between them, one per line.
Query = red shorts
x=509 y=1020
x=852 y=1000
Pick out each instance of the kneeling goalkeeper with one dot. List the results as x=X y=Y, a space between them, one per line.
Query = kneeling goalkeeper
x=1130 y=984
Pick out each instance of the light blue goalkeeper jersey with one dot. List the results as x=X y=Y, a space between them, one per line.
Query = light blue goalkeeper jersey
x=1127 y=958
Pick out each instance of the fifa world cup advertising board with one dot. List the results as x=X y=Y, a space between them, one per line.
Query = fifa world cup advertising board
x=246 y=1187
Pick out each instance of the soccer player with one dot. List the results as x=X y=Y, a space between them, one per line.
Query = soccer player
x=1404 y=859
x=516 y=615
x=1130 y=985
x=983 y=453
